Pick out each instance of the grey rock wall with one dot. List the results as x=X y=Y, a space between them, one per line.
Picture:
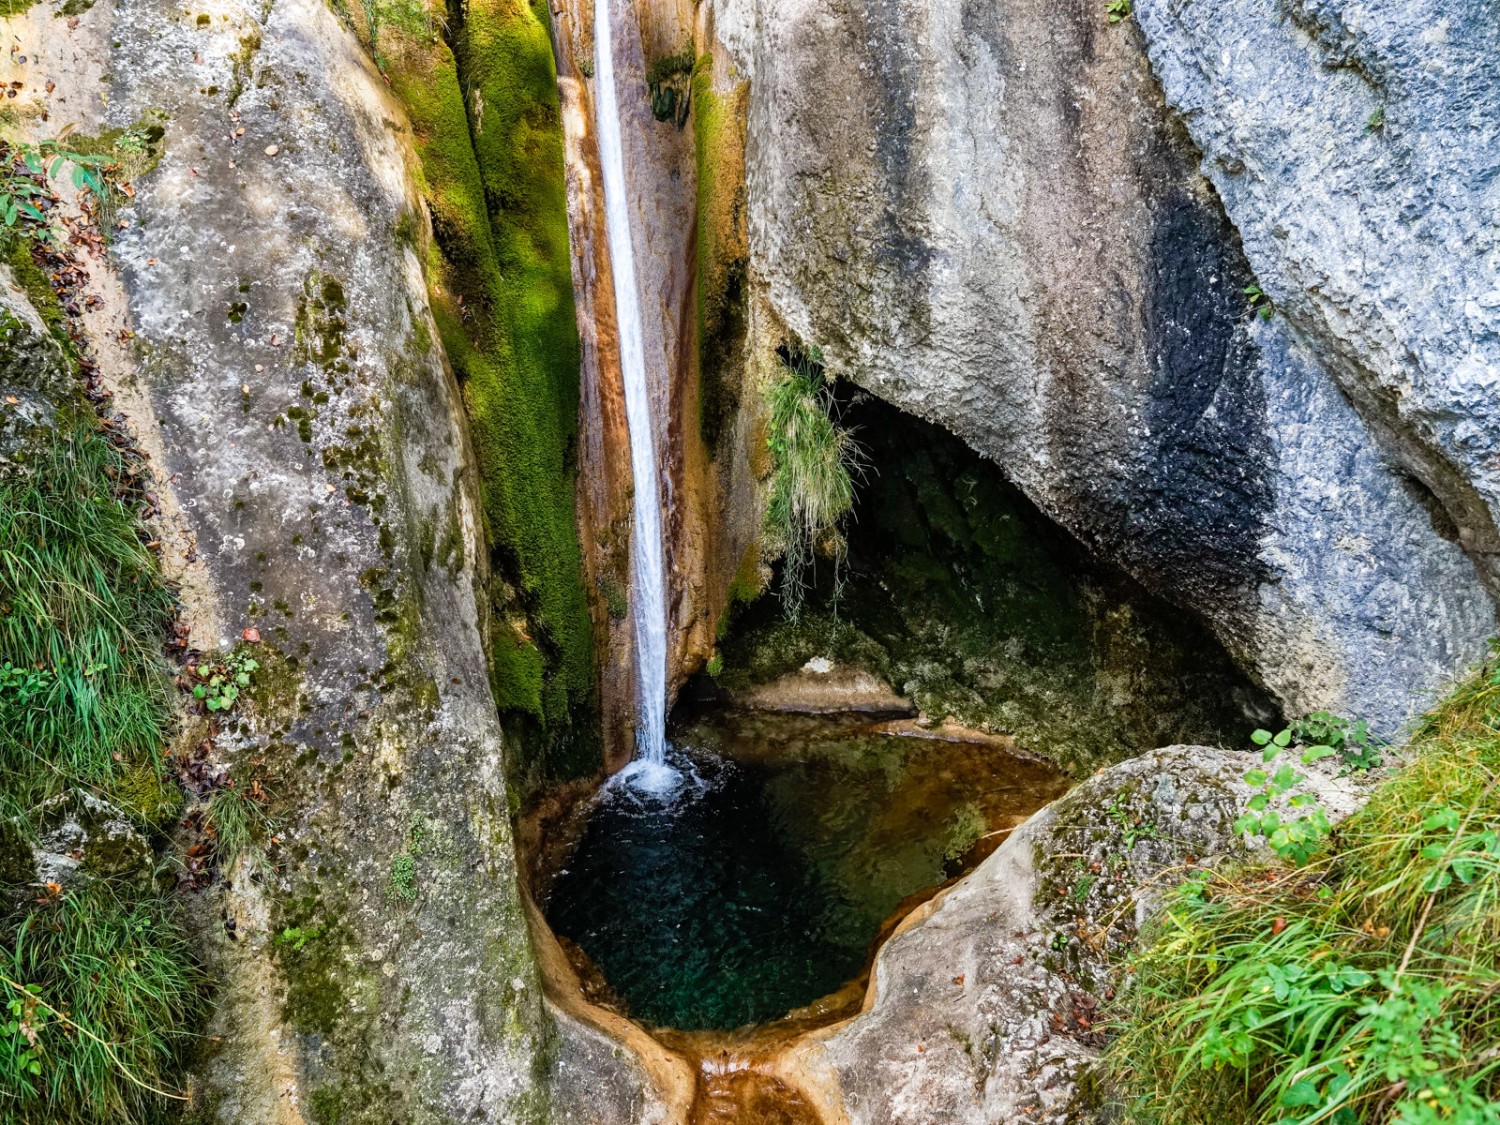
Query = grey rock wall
x=263 y=321
x=1356 y=148
x=987 y=215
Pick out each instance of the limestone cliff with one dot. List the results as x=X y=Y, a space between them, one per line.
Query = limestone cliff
x=990 y=216
x=262 y=317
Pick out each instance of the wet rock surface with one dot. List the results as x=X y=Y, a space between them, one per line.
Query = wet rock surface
x=983 y=1003
x=1355 y=152
x=990 y=219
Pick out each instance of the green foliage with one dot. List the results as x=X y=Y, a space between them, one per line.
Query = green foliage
x=101 y=996
x=238 y=824
x=1258 y=301
x=715 y=666
x=1375 y=123
x=1320 y=735
x=220 y=683
x=24 y=187
x=1357 y=748
x=813 y=464
x=83 y=616
x=1364 y=988
x=1295 y=838
x=1134 y=828
x=1117 y=10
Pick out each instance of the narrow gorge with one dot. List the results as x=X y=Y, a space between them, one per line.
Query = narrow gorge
x=749 y=561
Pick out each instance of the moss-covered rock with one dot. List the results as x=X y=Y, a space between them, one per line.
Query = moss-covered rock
x=501 y=284
x=722 y=244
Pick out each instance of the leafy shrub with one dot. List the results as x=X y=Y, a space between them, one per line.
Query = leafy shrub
x=813 y=462
x=1362 y=988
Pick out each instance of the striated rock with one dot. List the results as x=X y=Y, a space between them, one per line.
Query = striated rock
x=987 y=217
x=982 y=1002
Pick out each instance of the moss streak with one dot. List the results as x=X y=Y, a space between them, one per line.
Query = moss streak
x=723 y=247
x=503 y=300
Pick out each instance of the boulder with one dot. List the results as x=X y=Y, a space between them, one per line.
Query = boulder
x=988 y=216
x=983 y=1003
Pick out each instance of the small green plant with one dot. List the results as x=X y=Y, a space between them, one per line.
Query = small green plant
x=220 y=683
x=1357 y=748
x=238 y=823
x=1135 y=828
x=1363 y=989
x=1295 y=838
x=25 y=170
x=1375 y=123
x=21 y=1038
x=1118 y=10
x=715 y=666
x=1258 y=301
x=814 y=462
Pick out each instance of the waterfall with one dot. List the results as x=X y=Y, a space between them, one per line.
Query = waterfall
x=648 y=581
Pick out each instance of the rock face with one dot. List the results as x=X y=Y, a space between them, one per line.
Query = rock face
x=987 y=216
x=283 y=369
x=1356 y=150
x=982 y=1001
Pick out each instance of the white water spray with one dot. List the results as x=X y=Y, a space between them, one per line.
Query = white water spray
x=648 y=581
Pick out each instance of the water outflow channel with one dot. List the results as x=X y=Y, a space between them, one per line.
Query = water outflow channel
x=648 y=578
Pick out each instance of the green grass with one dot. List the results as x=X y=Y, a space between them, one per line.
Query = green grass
x=83 y=615
x=238 y=824
x=813 y=462
x=1363 y=989
x=99 y=985
x=102 y=980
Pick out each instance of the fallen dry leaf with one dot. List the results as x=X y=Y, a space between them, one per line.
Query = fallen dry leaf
x=252 y=635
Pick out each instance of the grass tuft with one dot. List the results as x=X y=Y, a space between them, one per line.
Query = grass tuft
x=814 y=462
x=99 y=1001
x=1361 y=990
x=84 y=691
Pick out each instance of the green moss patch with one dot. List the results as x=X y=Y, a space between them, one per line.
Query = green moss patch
x=503 y=301
x=722 y=246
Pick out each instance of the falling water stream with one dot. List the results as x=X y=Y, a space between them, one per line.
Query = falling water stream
x=648 y=583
